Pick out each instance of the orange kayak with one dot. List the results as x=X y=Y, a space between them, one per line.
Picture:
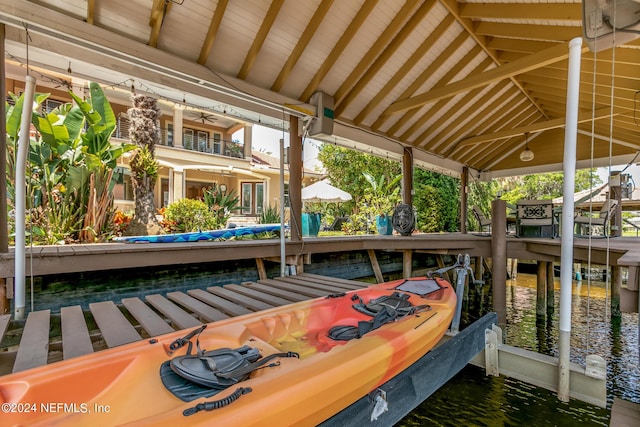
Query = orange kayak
x=297 y=364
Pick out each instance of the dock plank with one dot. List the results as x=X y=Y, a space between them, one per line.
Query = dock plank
x=226 y=306
x=116 y=329
x=261 y=296
x=329 y=287
x=249 y=302
x=203 y=310
x=289 y=295
x=4 y=324
x=75 y=334
x=301 y=289
x=33 y=349
x=351 y=284
x=148 y=319
x=180 y=318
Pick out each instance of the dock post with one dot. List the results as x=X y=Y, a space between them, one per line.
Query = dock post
x=551 y=279
x=541 y=289
x=616 y=284
x=499 y=259
x=568 y=189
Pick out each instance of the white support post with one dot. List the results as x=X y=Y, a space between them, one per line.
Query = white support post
x=21 y=197
x=569 y=169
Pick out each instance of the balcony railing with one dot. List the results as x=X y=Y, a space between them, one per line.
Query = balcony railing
x=210 y=146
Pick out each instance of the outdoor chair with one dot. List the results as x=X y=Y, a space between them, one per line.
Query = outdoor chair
x=585 y=224
x=483 y=221
x=535 y=218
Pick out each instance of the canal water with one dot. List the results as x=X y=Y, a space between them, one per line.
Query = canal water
x=473 y=399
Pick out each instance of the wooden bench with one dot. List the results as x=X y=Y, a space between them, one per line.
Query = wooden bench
x=148 y=319
x=116 y=329
x=250 y=303
x=203 y=310
x=262 y=296
x=33 y=350
x=227 y=307
x=75 y=335
x=180 y=318
x=282 y=293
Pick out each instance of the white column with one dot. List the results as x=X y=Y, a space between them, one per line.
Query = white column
x=178 y=114
x=248 y=141
x=569 y=169
x=21 y=197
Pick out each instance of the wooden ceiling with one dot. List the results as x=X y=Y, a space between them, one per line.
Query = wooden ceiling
x=464 y=83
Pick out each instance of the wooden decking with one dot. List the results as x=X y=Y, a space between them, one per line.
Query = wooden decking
x=135 y=319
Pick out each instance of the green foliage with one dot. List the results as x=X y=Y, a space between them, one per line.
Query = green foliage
x=221 y=203
x=187 y=215
x=436 y=212
x=69 y=168
x=144 y=165
x=345 y=168
x=270 y=215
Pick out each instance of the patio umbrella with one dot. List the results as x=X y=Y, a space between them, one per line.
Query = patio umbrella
x=322 y=191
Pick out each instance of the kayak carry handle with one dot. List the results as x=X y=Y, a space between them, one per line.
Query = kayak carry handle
x=217 y=404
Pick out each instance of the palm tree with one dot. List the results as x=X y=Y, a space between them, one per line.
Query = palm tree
x=144 y=130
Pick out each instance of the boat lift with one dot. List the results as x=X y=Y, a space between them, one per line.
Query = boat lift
x=480 y=344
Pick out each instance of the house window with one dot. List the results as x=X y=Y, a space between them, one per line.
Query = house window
x=123 y=189
x=217 y=143
x=122 y=129
x=203 y=141
x=187 y=138
x=50 y=105
x=252 y=198
x=170 y=134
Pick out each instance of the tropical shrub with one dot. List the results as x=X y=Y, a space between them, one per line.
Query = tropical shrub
x=187 y=215
x=221 y=203
x=270 y=215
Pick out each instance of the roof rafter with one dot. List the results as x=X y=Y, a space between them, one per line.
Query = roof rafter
x=260 y=37
x=303 y=41
x=421 y=80
x=159 y=11
x=556 y=33
x=91 y=11
x=563 y=11
x=380 y=45
x=337 y=50
x=404 y=33
x=216 y=19
x=583 y=117
x=405 y=68
x=531 y=62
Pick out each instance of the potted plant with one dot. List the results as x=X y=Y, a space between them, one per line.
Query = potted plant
x=384 y=195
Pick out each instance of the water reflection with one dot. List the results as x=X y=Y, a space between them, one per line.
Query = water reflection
x=473 y=399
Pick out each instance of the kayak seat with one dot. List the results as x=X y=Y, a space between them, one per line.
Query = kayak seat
x=206 y=373
x=209 y=368
x=385 y=309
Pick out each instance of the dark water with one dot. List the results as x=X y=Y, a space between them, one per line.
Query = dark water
x=473 y=399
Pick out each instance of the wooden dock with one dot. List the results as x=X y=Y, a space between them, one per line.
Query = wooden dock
x=135 y=319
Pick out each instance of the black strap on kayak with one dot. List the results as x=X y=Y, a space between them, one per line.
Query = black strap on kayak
x=243 y=370
x=181 y=342
x=217 y=404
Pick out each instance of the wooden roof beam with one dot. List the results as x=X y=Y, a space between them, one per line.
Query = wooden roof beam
x=547 y=11
x=261 y=36
x=339 y=47
x=405 y=32
x=91 y=11
x=470 y=27
x=159 y=11
x=583 y=117
x=303 y=41
x=531 y=62
x=396 y=24
x=212 y=32
x=557 y=33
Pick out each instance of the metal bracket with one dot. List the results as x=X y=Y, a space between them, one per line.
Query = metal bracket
x=596 y=367
x=492 y=341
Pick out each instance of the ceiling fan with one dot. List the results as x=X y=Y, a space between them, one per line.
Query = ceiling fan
x=203 y=117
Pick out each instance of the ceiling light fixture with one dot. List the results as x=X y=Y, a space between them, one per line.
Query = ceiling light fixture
x=526 y=155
